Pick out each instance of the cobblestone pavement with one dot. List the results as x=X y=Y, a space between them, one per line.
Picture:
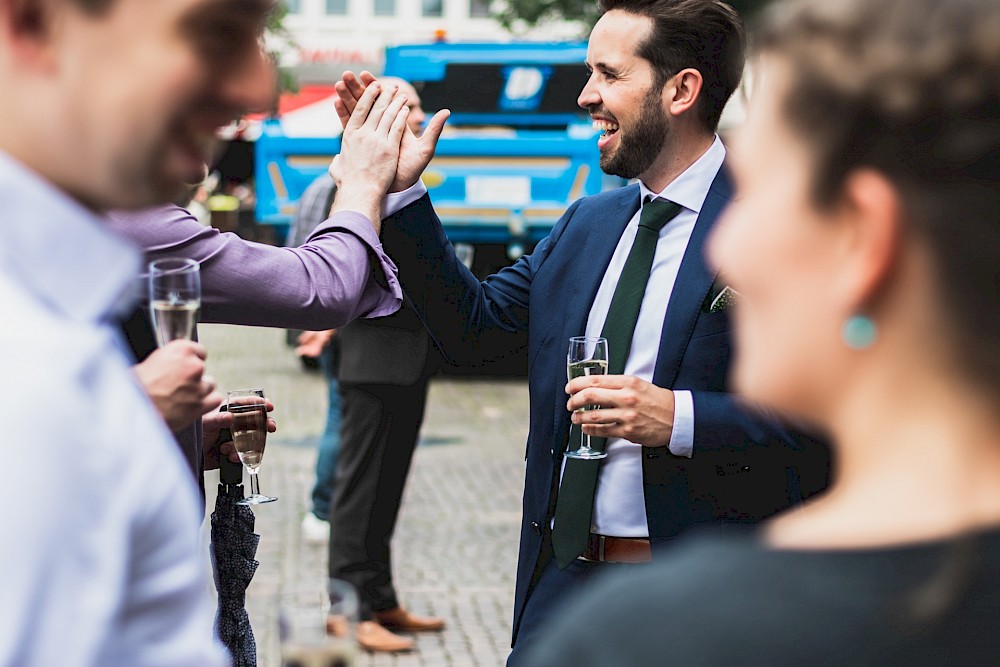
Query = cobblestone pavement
x=455 y=546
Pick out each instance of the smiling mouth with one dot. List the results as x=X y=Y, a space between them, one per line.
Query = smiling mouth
x=607 y=128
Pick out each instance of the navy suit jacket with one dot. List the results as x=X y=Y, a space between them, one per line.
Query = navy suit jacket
x=744 y=466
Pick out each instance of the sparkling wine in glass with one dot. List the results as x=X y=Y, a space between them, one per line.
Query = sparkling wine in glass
x=586 y=356
x=249 y=410
x=174 y=298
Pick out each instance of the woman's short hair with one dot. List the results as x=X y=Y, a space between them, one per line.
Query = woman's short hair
x=910 y=88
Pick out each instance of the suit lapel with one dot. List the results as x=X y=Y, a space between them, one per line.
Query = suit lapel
x=592 y=246
x=694 y=280
x=590 y=262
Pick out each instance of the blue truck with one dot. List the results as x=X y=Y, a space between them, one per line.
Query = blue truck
x=517 y=150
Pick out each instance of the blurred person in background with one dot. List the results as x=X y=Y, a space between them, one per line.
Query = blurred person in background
x=866 y=245
x=382 y=373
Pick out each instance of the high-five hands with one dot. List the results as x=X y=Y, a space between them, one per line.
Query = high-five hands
x=370 y=151
x=414 y=153
x=633 y=409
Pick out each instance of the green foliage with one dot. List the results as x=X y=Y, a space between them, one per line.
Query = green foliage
x=532 y=12
x=277 y=31
x=276 y=22
x=515 y=13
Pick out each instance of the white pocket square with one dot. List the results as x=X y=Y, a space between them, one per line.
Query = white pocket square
x=727 y=298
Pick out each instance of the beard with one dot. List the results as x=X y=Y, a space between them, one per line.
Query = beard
x=639 y=146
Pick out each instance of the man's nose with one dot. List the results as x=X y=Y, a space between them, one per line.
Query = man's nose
x=589 y=96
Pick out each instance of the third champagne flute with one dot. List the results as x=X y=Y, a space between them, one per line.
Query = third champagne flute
x=249 y=410
x=586 y=356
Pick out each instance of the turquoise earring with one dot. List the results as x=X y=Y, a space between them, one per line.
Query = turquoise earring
x=859 y=332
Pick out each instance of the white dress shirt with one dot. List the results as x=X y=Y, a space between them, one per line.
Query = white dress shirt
x=99 y=518
x=619 y=506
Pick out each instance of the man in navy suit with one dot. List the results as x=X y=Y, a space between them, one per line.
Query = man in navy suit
x=681 y=451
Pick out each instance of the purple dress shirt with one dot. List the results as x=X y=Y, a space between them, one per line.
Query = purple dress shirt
x=323 y=284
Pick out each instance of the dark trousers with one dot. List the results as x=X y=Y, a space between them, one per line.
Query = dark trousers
x=553 y=589
x=378 y=433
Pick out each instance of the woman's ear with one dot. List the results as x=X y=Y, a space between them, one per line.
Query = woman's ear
x=871 y=211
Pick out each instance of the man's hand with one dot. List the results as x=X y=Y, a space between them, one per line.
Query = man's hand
x=633 y=409
x=414 y=154
x=211 y=426
x=311 y=343
x=173 y=377
x=369 y=152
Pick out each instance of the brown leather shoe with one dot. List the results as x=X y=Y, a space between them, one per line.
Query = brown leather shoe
x=400 y=619
x=373 y=637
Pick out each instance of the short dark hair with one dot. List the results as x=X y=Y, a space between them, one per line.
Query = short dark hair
x=910 y=89
x=706 y=35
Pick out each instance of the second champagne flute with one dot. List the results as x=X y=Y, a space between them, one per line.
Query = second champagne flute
x=586 y=356
x=249 y=410
x=174 y=298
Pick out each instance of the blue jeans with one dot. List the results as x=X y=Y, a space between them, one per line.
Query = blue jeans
x=329 y=442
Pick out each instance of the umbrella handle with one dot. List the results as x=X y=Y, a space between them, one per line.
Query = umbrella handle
x=230 y=473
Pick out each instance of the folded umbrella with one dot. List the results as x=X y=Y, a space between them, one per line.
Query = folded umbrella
x=234 y=545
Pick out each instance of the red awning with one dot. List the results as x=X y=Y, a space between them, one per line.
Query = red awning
x=308 y=112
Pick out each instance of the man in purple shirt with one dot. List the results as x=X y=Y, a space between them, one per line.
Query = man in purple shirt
x=340 y=274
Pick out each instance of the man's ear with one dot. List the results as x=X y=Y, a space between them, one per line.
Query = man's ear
x=682 y=91
x=27 y=27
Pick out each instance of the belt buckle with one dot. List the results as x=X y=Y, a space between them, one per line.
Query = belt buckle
x=600 y=548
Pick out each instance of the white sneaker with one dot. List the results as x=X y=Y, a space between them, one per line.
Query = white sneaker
x=315 y=529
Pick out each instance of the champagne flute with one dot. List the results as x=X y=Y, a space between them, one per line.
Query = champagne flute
x=586 y=356
x=249 y=410
x=174 y=298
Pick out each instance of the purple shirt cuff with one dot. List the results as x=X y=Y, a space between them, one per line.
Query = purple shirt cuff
x=384 y=299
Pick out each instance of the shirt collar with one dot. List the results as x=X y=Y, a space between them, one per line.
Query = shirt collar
x=691 y=188
x=60 y=251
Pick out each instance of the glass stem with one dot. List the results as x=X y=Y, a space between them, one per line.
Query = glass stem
x=254 y=483
x=584 y=439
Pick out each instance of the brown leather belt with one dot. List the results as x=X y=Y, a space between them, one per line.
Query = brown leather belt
x=604 y=549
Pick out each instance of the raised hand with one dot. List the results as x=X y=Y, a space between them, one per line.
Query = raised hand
x=370 y=151
x=414 y=153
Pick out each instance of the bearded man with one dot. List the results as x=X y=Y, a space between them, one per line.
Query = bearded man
x=628 y=266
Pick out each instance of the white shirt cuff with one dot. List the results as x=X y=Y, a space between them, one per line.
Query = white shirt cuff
x=394 y=202
x=682 y=437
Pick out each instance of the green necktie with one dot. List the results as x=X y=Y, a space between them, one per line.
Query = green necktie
x=575 y=503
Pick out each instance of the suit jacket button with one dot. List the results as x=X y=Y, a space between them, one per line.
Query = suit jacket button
x=536 y=527
x=746 y=467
